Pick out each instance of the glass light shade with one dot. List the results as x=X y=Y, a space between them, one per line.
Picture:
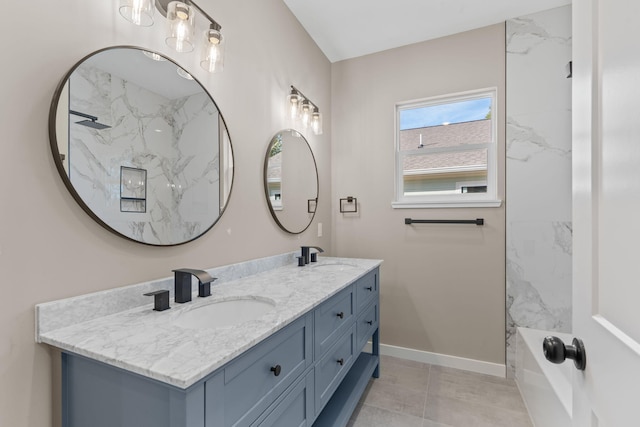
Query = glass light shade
x=213 y=51
x=306 y=112
x=182 y=73
x=154 y=56
x=139 y=12
x=316 y=122
x=181 y=24
x=293 y=104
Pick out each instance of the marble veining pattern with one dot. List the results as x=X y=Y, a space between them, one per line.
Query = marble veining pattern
x=66 y=312
x=525 y=142
x=539 y=229
x=151 y=132
x=147 y=342
x=526 y=33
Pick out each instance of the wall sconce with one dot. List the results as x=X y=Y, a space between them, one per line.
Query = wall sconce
x=181 y=24
x=300 y=107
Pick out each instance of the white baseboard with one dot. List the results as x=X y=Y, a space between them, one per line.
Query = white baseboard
x=472 y=365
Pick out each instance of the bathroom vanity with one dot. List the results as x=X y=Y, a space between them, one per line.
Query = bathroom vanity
x=299 y=362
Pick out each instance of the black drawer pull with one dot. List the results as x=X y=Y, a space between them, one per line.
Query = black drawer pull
x=340 y=315
x=369 y=322
x=340 y=361
x=370 y=288
x=276 y=370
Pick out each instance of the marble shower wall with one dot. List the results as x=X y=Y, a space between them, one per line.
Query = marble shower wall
x=538 y=221
x=151 y=132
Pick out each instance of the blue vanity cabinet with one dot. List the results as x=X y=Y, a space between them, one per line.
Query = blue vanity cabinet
x=337 y=396
x=311 y=372
x=98 y=395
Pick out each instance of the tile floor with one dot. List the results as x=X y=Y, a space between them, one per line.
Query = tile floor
x=413 y=394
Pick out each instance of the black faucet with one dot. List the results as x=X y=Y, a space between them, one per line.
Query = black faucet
x=306 y=253
x=183 y=283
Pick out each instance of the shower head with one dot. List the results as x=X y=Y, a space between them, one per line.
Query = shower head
x=92 y=122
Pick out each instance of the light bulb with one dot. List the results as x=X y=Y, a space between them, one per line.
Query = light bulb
x=213 y=50
x=181 y=24
x=293 y=104
x=316 y=122
x=306 y=113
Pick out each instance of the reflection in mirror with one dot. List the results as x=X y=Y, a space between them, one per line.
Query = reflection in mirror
x=291 y=181
x=144 y=150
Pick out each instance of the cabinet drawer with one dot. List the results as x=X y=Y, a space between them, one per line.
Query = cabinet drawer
x=255 y=379
x=332 y=368
x=366 y=324
x=366 y=288
x=295 y=409
x=331 y=319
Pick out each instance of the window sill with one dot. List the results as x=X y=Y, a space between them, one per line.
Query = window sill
x=448 y=204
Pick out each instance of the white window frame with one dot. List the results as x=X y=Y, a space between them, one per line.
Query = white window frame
x=488 y=199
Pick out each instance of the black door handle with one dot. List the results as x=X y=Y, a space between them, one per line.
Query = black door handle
x=557 y=352
x=340 y=315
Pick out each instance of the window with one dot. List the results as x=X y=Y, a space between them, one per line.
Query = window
x=446 y=151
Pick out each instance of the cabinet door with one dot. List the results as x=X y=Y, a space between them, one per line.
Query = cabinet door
x=294 y=410
x=366 y=324
x=366 y=288
x=332 y=368
x=331 y=319
x=254 y=380
x=98 y=395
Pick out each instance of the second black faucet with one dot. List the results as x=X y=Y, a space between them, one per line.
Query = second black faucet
x=183 y=283
x=307 y=255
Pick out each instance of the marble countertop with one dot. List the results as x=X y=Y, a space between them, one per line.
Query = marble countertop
x=149 y=343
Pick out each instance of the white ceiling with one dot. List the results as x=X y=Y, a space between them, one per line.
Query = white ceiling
x=160 y=77
x=346 y=29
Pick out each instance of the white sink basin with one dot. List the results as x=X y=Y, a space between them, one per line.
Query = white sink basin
x=225 y=313
x=334 y=266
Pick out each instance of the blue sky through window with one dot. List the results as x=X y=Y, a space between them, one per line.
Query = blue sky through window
x=452 y=112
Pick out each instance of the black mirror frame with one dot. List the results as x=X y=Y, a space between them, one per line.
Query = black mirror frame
x=53 y=142
x=266 y=189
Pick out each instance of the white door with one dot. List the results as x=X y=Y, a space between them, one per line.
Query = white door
x=606 y=203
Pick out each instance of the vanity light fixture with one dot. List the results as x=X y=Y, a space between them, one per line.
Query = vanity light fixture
x=300 y=107
x=181 y=26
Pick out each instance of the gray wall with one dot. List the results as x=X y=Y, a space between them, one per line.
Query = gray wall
x=443 y=286
x=50 y=249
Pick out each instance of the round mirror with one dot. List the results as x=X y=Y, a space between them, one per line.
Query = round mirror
x=141 y=146
x=291 y=181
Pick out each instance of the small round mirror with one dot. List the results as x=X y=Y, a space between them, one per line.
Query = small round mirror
x=291 y=181
x=141 y=146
